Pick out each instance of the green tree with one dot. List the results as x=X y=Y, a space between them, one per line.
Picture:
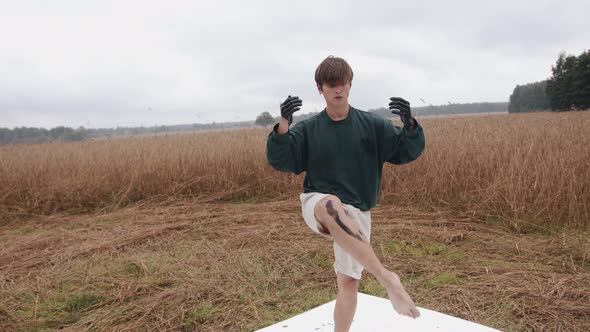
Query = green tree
x=569 y=87
x=6 y=136
x=529 y=98
x=29 y=135
x=264 y=119
x=582 y=81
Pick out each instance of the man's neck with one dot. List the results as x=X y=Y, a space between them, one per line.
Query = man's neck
x=339 y=112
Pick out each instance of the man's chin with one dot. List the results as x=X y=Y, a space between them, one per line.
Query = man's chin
x=337 y=103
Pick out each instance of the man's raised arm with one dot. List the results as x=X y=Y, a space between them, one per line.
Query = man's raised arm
x=402 y=146
x=285 y=149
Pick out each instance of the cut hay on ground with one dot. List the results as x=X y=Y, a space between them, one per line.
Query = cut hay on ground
x=210 y=267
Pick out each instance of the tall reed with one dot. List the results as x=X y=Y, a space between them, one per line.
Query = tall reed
x=525 y=167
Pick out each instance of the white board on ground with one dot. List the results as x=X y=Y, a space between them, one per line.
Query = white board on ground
x=375 y=314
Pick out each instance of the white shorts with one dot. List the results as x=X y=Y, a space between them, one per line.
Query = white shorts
x=344 y=263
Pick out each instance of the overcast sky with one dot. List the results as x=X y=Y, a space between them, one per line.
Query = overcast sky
x=131 y=63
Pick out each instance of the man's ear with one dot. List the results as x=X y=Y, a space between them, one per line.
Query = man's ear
x=320 y=89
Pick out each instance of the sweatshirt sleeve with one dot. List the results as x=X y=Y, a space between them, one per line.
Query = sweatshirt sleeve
x=401 y=145
x=287 y=152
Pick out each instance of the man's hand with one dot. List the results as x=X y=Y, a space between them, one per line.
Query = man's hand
x=401 y=107
x=290 y=106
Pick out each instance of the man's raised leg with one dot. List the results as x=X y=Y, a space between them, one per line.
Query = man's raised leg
x=332 y=216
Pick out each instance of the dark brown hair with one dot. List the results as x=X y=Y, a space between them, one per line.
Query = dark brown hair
x=333 y=71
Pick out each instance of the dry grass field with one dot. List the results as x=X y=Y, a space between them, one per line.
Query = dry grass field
x=529 y=168
x=198 y=233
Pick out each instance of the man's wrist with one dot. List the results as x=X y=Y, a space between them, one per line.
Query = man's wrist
x=282 y=127
x=412 y=124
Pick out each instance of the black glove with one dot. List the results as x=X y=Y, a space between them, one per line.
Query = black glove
x=401 y=107
x=290 y=106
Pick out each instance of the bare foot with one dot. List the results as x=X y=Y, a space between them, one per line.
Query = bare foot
x=401 y=301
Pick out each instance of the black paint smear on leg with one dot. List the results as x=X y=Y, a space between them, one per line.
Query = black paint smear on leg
x=360 y=232
x=334 y=214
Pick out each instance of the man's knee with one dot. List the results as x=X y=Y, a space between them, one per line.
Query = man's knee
x=327 y=212
x=326 y=208
x=347 y=284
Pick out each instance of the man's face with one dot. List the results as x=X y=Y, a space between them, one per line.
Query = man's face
x=335 y=95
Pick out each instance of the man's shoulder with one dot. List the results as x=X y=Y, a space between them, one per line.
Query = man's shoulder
x=309 y=120
x=369 y=116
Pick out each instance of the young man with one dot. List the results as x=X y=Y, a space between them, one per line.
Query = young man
x=342 y=150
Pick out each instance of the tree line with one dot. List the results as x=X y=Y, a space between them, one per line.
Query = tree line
x=450 y=109
x=266 y=119
x=567 y=89
x=32 y=135
x=529 y=98
x=41 y=135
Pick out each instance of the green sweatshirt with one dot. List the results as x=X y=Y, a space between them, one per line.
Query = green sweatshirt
x=344 y=158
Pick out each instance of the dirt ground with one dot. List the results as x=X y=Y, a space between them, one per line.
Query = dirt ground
x=194 y=266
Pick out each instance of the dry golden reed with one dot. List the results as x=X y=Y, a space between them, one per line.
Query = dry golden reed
x=521 y=167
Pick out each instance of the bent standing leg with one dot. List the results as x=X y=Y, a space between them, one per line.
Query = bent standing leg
x=345 y=302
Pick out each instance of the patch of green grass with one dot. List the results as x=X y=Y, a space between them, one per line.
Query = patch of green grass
x=496 y=263
x=423 y=249
x=532 y=228
x=500 y=317
x=432 y=281
x=494 y=221
x=440 y=280
x=399 y=247
x=23 y=230
x=455 y=256
x=318 y=259
x=263 y=280
x=68 y=286
x=402 y=247
x=165 y=283
x=61 y=311
x=76 y=225
x=93 y=223
x=575 y=256
x=312 y=298
x=257 y=268
x=200 y=314
x=531 y=266
x=58 y=322
x=314 y=259
x=80 y=302
x=26 y=304
x=433 y=249
x=371 y=286
x=578 y=233
x=132 y=269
